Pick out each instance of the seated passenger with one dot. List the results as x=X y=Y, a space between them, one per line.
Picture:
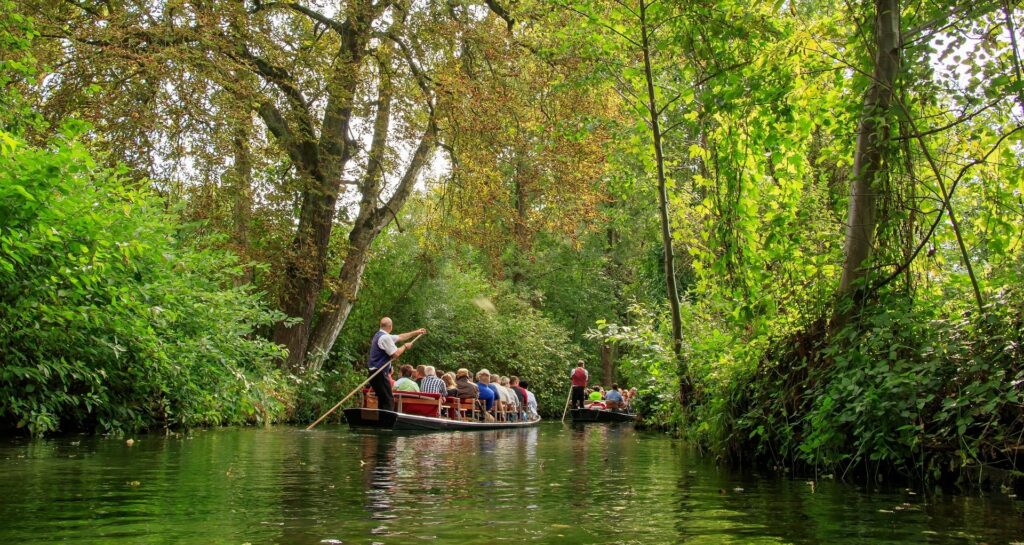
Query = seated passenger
x=487 y=394
x=507 y=394
x=508 y=397
x=491 y=382
x=430 y=384
x=517 y=389
x=614 y=399
x=406 y=384
x=531 y=401
x=631 y=395
x=449 y=382
x=466 y=389
x=596 y=394
x=502 y=394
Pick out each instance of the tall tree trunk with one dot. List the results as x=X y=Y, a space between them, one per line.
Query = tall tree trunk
x=371 y=221
x=304 y=276
x=868 y=161
x=607 y=365
x=1011 y=27
x=242 y=189
x=659 y=157
x=519 y=232
x=323 y=160
x=612 y=270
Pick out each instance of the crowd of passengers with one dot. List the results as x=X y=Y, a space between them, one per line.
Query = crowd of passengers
x=614 y=398
x=502 y=397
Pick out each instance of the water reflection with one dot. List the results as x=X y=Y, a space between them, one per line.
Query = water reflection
x=378 y=460
x=553 y=484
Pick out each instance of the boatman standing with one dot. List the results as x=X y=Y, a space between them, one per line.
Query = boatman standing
x=383 y=350
x=579 y=377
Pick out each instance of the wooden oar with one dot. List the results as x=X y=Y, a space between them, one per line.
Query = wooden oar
x=567 y=398
x=334 y=408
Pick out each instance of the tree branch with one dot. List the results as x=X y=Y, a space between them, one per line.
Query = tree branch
x=592 y=19
x=370 y=184
x=428 y=141
x=968 y=9
x=336 y=26
x=945 y=202
x=283 y=80
x=500 y=12
x=278 y=126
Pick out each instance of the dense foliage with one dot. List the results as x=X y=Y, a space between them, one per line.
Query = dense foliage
x=794 y=226
x=113 y=316
x=109 y=320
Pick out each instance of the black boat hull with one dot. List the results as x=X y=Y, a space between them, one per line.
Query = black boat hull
x=390 y=420
x=601 y=415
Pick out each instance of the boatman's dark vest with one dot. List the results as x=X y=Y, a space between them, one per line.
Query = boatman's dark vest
x=378 y=357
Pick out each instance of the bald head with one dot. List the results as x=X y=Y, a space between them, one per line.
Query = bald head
x=385 y=324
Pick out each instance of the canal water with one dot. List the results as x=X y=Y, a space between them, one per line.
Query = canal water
x=551 y=484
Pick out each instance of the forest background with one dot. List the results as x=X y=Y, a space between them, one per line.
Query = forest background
x=794 y=225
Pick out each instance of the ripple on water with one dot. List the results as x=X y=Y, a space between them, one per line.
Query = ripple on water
x=545 y=485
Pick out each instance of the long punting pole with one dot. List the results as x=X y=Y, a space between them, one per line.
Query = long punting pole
x=350 y=394
x=567 y=398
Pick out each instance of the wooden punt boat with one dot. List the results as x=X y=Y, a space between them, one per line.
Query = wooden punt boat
x=426 y=412
x=601 y=415
x=391 y=420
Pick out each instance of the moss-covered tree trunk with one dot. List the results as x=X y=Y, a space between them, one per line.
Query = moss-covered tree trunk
x=869 y=157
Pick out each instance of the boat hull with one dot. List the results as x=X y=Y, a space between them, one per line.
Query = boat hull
x=391 y=420
x=601 y=415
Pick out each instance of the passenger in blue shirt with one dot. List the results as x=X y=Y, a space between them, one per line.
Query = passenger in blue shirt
x=487 y=393
x=613 y=398
x=493 y=385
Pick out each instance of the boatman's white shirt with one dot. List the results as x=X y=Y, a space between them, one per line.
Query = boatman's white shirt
x=386 y=342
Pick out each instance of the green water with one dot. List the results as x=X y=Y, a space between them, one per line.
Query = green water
x=551 y=484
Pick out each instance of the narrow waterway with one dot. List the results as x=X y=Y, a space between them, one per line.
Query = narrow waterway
x=551 y=484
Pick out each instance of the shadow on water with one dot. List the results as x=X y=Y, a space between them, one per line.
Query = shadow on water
x=552 y=484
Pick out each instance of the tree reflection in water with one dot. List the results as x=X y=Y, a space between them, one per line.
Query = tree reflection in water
x=546 y=485
x=379 y=478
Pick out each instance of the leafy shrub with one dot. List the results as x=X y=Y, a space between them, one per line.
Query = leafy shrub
x=915 y=387
x=316 y=393
x=107 y=319
x=646 y=363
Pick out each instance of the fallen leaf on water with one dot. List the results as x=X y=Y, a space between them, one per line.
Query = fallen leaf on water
x=133 y=483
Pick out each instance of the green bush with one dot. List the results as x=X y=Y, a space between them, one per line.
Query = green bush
x=916 y=387
x=107 y=320
x=646 y=363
